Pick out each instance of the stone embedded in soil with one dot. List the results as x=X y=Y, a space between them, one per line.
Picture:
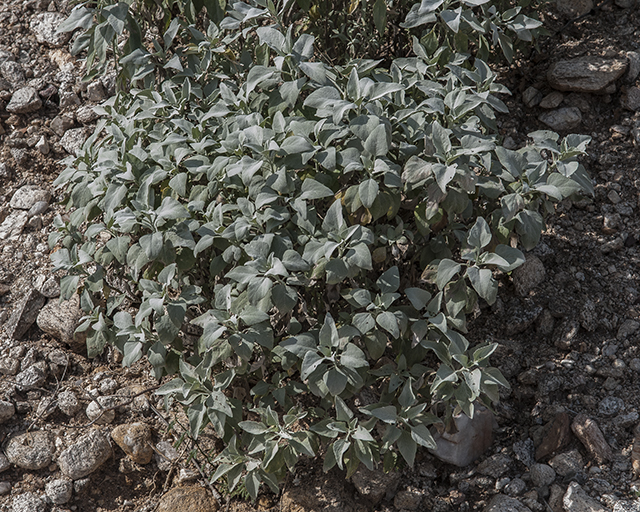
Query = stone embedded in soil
x=50 y=288
x=562 y=119
x=95 y=92
x=5 y=488
x=100 y=412
x=631 y=99
x=25 y=197
x=516 y=487
x=472 y=439
x=552 y=100
x=589 y=433
x=9 y=366
x=59 y=491
x=589 y=74
x=166 y=455
x=531 y=97
x=45 y=25
x=13 y=73
x=38 y=208
x=374 y=485
x=4 y=462
x=409 y=499
x=528 y=275
x=61 y=319
x=31 y=378
x=574 y=8
x=134 y=439
x=46 y=407
x=24 y=101
x=558 y=436
x=60 y=124
x=85 y=456
x=13 y=225
x=7 y=411
x=73 y=139
x=577 y=500
x=610 y=406
x=627 y=328
x=565 y=334
x=28 y=502
x=524 y=451
x=502 y=503
x=542 y=475
x=495 y=466
x=520 y=316
x=634 y=67
x=68 y=403
x=32 y=450
x=25 y=313
x=192 y=497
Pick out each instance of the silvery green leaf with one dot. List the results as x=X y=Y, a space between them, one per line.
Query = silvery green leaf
x=303 y=47
x=418 y=297
x=335 y=380
x=389 y=281
x=452 y=18
x=360 y=256
x=513 y=256
x=364 y=322
x=310 y=362
x=421 y=435
x=446 y=270
x=483 y=282
x=353 y=357
x=272 y=38
x=329 y=333
x=389 y=323
x=377 y=143
x=529 y=227
x=368 y=191
x=480 y=234
x=312 y=189
x=333 y=221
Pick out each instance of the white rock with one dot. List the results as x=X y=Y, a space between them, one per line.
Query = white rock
x=61 y=319
x=99 y=410
x=32 y=450
x=577 y=500
x=24 y=100
x=4 y=463
x=25 y=197
x=73 y=139
x=68 y=403
x=13 y=225
x=43 y=146
x=45 y=25
x=59 y=491
x=85 y=456
x=28 y=502
x=95 y=92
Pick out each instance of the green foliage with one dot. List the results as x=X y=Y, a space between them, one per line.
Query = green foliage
x=323 y=230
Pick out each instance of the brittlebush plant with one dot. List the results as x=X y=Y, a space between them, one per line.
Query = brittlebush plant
x=297 y=244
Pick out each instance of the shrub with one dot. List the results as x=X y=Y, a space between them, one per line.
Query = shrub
x=299 y=244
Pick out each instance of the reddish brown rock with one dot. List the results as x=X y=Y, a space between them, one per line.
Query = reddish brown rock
x=591 y=436
x=134 y=439
x=557 y=437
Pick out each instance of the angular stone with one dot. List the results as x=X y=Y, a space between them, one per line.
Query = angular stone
x=577 y=500
x=627 y=328
x=166 y=455
x=610 y=406
x=134 y=439
x=634 y=67
x=473 y=438
x=60 y=320
x=73 y=139
x=631 y=99
x=101 y=410
x=409 y=499
x=13 y=225
x=562 y=119
x=25 y=197
x=13 y=73
x=557 y=437
x=7 y=411
x=24 y=100
x=556 y=494
x=32 y=450
x=585 y=74
x=95 y=92
x=4 y=463
x=192 y=497
x=85 y=456
x=25 y=314
x=531 y=97
x=528 y=275
x=591 y=437
x=495 y=466
x=45 y=25
x=61 y=124
x=374 y=485
x=552 y=100
x=86 y=114
x=9 y=366
x=502 y=503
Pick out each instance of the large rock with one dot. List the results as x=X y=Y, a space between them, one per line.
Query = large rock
x=591 y=436
x=25 y=197
x=529 y=275
x=61 y=319
x=191 y=497
x=585 y=74
x=473 y=438
x=24 y=100
x=562 y=119
x=135 y=441
x=85 y=456
x=25 y=313
x=33 y=450
x=13 y=225
x=577 y=500
x=45 y=25
x=374 y=485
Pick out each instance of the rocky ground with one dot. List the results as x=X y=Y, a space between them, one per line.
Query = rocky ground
x=89 y=435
